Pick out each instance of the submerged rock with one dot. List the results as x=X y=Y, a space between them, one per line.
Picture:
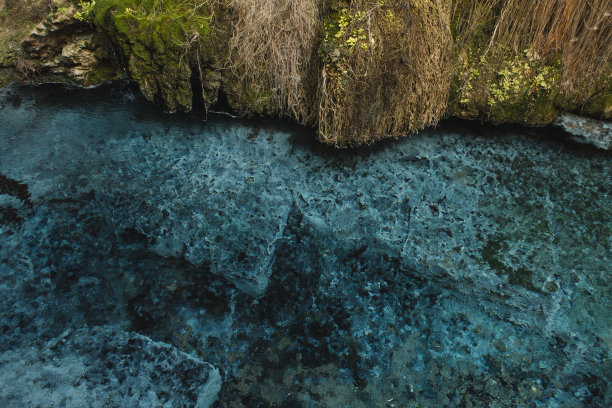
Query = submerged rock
x=587 y=130
x=468 y=265
x=104 y=366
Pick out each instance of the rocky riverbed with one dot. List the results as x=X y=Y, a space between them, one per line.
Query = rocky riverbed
x=162 y=260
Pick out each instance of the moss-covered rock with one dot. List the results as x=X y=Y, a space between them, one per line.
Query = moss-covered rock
x=163 y=42
x=250 y=99
x=600 y=105
x=44 y=41
x=503 y=87
x=17 y=19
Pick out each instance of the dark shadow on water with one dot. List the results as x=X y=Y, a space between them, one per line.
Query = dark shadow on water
x=125 y=95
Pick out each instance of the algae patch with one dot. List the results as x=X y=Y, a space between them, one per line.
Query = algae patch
x=492 y=253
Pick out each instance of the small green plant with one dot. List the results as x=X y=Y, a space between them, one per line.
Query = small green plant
x=86 y=11
x=342 y=34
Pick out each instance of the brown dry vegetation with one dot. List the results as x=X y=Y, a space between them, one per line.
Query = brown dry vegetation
x=362 y=70
x=386 y=72
x=392 y=80
x=577 y=31
x=384 y=68
x=272 y=50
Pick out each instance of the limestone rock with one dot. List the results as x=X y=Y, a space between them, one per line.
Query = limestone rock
x=463 y=264
x=587 y=130
x=105 y=367
x=63 y=49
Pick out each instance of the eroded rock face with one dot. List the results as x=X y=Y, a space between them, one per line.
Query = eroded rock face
x=586 y=130
x=64 y=49
x=104 y=366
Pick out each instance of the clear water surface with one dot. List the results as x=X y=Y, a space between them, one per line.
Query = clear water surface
x=467 y=266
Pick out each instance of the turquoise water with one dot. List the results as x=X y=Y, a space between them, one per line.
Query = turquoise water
x=463 y=266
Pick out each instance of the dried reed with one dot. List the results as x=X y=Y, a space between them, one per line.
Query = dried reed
x=273 y=47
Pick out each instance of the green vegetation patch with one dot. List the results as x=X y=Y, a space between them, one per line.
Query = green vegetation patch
x=504 y=87
x=511 y=72
x=162 y=41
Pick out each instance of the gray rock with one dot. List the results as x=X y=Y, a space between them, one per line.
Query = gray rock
x=587 y=130
x=104 y=367
x=63 y=49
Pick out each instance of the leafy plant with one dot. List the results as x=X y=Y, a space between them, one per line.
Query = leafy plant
x=85 y=13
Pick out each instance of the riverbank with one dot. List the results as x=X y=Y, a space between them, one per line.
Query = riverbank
x=356 y=71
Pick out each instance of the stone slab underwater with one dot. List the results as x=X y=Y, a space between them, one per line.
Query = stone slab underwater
x=466 y=265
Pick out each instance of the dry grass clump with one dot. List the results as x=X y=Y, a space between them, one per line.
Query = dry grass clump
x=387 y=70
x=473 y=19
x=579 y=32
x=273 y=47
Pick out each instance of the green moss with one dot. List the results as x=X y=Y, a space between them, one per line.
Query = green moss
x=102 y=73
x=600 y=105
x=259 y=101
x=523 y=90
x=103 y=8
x=141 y=51
x=246 y=98
x=503 y=87
x=158 y=37
x=7 y=56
